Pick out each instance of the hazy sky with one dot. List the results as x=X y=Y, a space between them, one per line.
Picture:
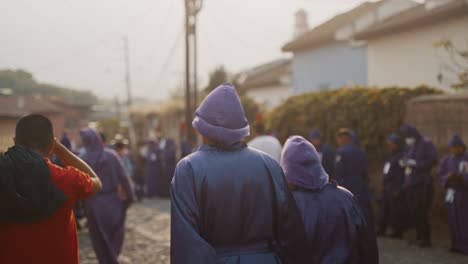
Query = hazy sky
x=78 y=43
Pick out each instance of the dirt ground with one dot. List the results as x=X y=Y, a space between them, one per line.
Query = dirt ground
x=148 y=240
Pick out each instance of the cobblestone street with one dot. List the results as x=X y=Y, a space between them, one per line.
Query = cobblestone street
x=148 y=234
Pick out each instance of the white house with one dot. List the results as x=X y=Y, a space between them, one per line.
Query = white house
x=327 y=57
x=269 y=84
x=402 y=49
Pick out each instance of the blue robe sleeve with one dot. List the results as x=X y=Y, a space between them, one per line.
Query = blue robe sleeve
x=187 y=246
x=290 y=231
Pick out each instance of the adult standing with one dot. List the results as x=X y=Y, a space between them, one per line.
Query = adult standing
x=106 y=211
x=392 y=203
x=231 y=203
x=325 y=152
x=453 y=176
x=266 y=143
x=419 y=160
x=168 y=149
x=351 y=172
x=154 y=167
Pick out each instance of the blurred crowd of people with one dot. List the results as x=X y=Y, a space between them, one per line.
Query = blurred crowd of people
x=232 y=201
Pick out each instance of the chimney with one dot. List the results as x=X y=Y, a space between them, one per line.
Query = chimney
x=301 y=24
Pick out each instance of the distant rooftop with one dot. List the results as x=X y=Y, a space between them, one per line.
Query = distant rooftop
x=325 y=33
x=267 y=74
x=18 y=106
x=420 y=15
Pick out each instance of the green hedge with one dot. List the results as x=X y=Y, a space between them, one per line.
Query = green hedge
x=372 y=112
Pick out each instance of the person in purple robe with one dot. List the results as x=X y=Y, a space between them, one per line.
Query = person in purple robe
x=336 y=228
x=168 y=150
x=351 y=172
x=107 y=210
x=231 y=203
x=326 y=153
x=392 y=209
x=419 y=160
x=453 y=176
x=154 y=168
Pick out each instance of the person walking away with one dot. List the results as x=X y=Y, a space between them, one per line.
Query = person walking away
x=231 y=203
x=351 y=172
x=453 y=176
x=154 y=168
x=106 y=211
x=168 y=149
x=335 y=226
x=419 y=160
x=266 y=143
x=392 y=212
x=37 y=224
x=325 y=152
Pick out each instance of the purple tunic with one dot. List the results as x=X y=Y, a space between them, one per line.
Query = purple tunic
x=336 y=227
x=106 y=211
x=168 y=151
x=457 y=207
x=425 y=155
x=154 y=169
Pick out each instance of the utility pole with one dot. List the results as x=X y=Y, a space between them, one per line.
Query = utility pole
x=127 y=71
x=128 y=85
x=192 y=8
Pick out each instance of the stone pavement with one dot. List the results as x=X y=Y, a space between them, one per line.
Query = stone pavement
x=148 y=238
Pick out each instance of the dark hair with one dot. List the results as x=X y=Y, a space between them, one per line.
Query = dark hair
x=259 y=128
x=119 y=145
x=34 y=131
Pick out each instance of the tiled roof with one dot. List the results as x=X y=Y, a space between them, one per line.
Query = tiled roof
x=415 y=17
x=325 y=32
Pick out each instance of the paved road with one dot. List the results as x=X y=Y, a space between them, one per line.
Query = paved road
x=147 y=241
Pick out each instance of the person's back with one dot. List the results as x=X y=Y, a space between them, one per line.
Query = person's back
x=232 y=195
x=268 y=144
x=50 y=238
x=106 y=211
x=336 y=228
x=265 y=143
x=230 y=203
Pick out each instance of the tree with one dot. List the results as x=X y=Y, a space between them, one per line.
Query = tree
x=217 y=77
x=23 y=83
x=454 y=65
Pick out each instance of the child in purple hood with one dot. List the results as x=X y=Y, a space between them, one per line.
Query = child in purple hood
x=336 y=228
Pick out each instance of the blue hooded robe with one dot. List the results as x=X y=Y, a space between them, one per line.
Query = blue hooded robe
x=326 y=153
x=336 y=228
x=154 y=169
x=230 y=203
x=392 y=207
x=351 y=172
x=456 y=195
x=106 y=211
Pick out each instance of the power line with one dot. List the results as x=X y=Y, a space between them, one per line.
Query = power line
x=169 y=57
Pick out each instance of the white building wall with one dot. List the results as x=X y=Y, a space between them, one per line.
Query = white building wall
x=410 y=58
x=271 y=96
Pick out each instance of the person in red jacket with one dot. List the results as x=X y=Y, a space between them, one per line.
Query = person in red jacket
x=37 y=224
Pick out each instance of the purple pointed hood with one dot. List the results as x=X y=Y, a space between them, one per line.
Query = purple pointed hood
x=221 y=117
x=456 y=140
x=301 y=164
x=92 y=142
x=410 y=131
